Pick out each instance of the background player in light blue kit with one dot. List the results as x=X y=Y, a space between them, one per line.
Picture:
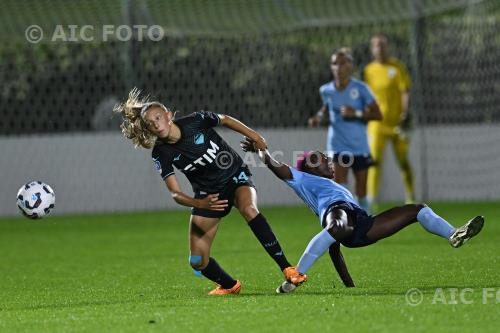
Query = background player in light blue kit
x=350 y=105
x=343 y=221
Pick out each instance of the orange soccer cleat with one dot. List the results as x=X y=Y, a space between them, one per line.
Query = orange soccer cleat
x=294 y=276
x=222 y=291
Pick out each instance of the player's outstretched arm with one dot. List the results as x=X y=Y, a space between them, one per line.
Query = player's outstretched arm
x=211 y=201
x=241 y=128
x=340 y=265
x=282 y=171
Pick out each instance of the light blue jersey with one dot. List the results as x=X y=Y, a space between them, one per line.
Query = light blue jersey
x=318 y=192
x=346 y=135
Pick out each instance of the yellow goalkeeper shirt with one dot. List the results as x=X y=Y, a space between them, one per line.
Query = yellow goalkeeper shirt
x=387 y=81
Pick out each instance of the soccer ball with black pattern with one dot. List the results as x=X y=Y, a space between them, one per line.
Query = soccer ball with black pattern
x=35 y=199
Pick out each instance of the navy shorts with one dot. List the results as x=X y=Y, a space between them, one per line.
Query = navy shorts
x=361 y=220
x=356 y=162
x=243 y=177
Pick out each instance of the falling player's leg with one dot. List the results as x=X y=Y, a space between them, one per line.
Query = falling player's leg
x=295 y=276
x=467 y=231
x=391 y=221
x=337 y=228
x=202 y=231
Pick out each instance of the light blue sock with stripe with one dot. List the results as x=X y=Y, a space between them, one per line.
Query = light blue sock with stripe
x=315 y=249
x=434 y=223
x=195 y=260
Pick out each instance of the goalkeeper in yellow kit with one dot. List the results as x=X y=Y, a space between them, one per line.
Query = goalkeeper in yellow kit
x=390 y=82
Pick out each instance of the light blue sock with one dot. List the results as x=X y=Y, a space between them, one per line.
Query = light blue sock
x=365 y=204
x=315 y=249
x=435 y=224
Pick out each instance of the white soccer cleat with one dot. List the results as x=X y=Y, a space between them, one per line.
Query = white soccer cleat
x=467 y=231
x=285 y=287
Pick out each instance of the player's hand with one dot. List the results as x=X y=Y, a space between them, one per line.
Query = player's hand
x=212 y=202
x=347 y=112
x=313 y=121
x=248 y=145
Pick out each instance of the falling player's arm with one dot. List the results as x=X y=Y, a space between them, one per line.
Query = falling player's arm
x=211 y=201
x=340 y=265
x=282 y=171
x=241 y=128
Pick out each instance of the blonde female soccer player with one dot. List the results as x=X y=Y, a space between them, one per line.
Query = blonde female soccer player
x=216 y=172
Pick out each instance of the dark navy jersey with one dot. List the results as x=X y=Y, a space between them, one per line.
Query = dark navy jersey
x=201 y=154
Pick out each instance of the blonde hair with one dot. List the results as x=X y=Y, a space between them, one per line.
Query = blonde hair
x=133 y=126
x=345 y=51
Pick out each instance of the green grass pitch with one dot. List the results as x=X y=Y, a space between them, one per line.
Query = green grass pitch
x=130 y=273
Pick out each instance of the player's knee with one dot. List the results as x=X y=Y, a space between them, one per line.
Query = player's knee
x=198 y=262
x=249 y=212
x=337 y=224
x=337 y=215
x=339 y=232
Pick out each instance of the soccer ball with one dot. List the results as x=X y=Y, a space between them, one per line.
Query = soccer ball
x=35 y=199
